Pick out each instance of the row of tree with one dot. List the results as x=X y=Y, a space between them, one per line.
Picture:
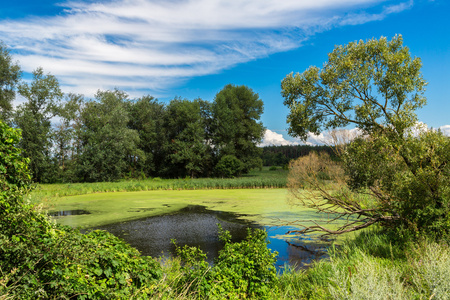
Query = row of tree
x=69 y=138
x=282 y=155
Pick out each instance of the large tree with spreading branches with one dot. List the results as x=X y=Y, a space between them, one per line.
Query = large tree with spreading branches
x=395 y=173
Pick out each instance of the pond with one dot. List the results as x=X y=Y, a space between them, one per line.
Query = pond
x=197 y=226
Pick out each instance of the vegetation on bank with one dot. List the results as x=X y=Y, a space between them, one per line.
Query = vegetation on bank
x=257 y=178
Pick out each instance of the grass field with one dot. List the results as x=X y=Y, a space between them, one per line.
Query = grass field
x=264 y=178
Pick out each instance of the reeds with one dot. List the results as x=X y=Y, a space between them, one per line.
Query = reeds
x=255 y=180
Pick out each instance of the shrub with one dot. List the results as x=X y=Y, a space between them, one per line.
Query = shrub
x=229 y=166
x=42 y=260
x=242 y=270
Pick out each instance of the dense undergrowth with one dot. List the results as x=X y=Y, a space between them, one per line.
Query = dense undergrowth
x=374 y=265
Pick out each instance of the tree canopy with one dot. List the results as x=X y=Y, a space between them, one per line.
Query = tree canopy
x=374 y=85
x=236 y=129
x=9 y=79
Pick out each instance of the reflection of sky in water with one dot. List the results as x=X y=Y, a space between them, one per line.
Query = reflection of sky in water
x=197 y=226
x=294 y=251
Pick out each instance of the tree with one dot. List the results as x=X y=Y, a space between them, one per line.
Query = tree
x=9 y=79
x=391 y=175
x=65 y=138
x=109 y=147
x=147 y=118
x=188 y=151
x=235 y=129
x=33 y=117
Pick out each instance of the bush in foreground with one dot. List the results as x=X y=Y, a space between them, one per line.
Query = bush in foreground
x=242 y=270
x=42 y=260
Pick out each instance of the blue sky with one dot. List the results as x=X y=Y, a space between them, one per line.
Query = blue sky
x=192 y=48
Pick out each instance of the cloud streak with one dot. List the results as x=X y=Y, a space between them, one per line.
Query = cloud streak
x=155 y=44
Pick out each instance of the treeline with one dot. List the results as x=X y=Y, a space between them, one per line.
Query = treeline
x=68 y=138
x=281 y=155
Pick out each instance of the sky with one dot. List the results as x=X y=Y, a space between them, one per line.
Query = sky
x=193 y=48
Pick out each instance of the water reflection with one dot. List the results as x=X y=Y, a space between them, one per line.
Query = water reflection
x=64 y=213
x=193 y=226
x=197 y=226
x=294 y=251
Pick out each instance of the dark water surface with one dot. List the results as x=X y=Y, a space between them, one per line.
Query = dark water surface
x=63 y=213
x=197 y=226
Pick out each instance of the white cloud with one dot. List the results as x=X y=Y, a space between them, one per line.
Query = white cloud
x=271 y=138
x=445 y=129
x=154 y=44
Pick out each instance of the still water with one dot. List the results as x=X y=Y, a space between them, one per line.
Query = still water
x=197 y=226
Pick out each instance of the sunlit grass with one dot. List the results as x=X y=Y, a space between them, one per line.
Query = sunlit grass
x=264 y=178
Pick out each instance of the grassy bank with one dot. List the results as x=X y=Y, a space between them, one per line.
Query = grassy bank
x=375 y=265
x=264 y=178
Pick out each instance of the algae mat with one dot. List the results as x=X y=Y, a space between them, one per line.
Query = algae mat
x=264 y=206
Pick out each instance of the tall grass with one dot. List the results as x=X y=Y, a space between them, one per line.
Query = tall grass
x=374 y=266
x=264 y=178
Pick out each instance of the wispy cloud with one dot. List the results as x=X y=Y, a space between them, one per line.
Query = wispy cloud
x=153 y=44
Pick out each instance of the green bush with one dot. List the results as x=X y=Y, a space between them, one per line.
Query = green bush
x=42 y=260
x=242 y=270
x=229 y=166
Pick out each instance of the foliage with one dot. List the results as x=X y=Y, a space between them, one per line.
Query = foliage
x=9 y=78
x=235 y=127
x=42 y=260
x=147 y=118
x=66 y=140
x=33 y=117
x=282 y=155
x=242 y=270
x=396 y=173
x=107 y=143
x=14 y=175
x=375 y=85
x=188 y=153
x=411 y=184
x=228 y=166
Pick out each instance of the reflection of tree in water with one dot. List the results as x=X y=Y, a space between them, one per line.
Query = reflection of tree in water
x=301 y=256
x=193 y=226
x=197 y=226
